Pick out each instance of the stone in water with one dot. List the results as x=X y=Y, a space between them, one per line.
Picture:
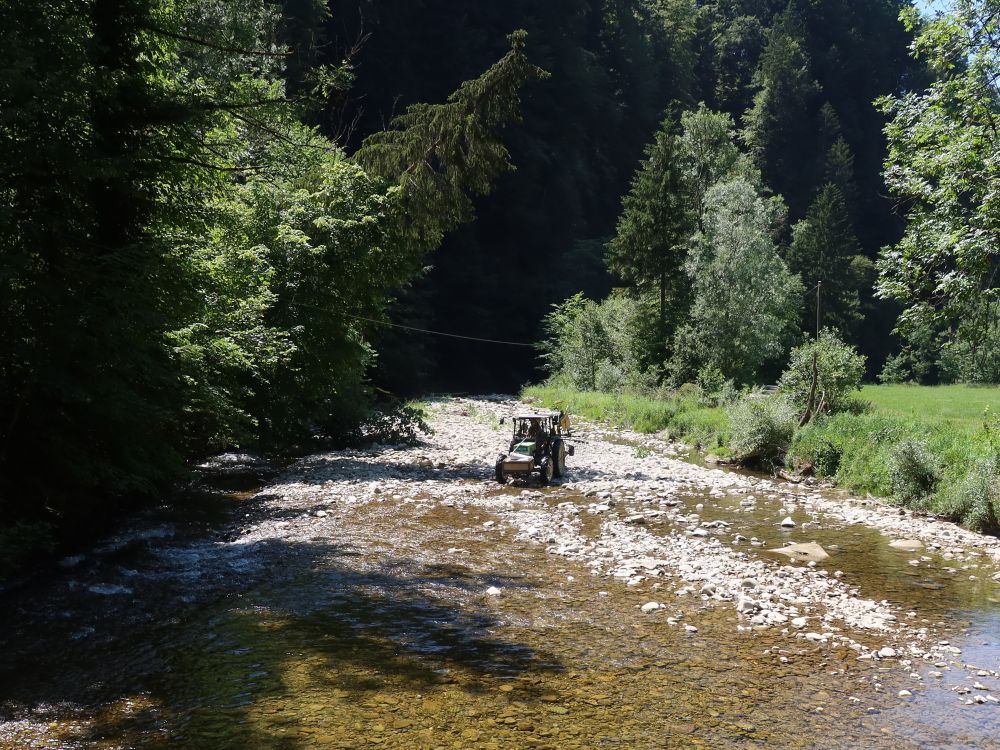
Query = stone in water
x=810 y=552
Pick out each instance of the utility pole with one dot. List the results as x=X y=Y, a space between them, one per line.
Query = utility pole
x=819 y=297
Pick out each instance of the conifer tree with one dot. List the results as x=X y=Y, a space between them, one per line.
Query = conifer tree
x=780 y=126
x=824 y=251
x=651 y=242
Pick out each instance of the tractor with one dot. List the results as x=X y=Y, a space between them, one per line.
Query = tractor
x=537 y=445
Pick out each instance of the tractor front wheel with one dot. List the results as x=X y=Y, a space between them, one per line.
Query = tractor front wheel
x=501 y=475
x=545 y=470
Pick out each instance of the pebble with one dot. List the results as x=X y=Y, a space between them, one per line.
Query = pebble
x=788 y=523
x=493 y=591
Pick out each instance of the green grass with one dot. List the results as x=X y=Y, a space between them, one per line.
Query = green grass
x=957 y=405
x=680 y=414
x=961 y=438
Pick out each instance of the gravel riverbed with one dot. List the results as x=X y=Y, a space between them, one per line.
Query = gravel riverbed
x=625 y=511
x=860 y=608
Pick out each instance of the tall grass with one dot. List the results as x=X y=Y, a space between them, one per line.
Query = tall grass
x=940 y=464
x=678 y=413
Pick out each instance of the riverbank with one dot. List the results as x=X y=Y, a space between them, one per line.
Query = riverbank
x=401 y=598
x=950 y=471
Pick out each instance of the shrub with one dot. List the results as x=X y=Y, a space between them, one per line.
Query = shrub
x=827 y=459
x=975 y=500
x=839 y=369
x=399 y=424
x=761 y=429
x=713 y=387
x=913 y=472
x=609 y=378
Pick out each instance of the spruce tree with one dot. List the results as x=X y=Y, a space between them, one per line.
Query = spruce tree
x=824 y=251
x=780 y=126
x=651 y=242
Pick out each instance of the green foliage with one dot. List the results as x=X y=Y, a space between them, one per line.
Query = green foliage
x=184 y=265
x=975 y=500
x=822 y=250
x=761 y=429
x=397 y=424
x=709 y=154
x=779 y=122
x=827 y=459
x=913 y=434
x=577 y=343
x=714 y=389
x=913 y=472
x=651 y=240
x=596 y=346
x=943 y=147
x=746 y=302
x=839 y=369
x=439 y=155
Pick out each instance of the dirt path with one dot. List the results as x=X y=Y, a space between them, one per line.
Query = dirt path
x=401 y=598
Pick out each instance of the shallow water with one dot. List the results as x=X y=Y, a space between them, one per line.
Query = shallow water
x=384 y=636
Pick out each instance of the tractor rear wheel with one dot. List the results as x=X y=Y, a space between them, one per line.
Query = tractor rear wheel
x=558 y=458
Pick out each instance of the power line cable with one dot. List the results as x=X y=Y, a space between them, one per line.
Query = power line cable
x=415 y=329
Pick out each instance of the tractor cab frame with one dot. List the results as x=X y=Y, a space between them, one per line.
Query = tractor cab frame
x=537 y=445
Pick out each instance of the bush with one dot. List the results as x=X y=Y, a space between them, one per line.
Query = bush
x=713 y=387
x=609 y=378
x=839 y=369
x=913 y=472
x=761 y=429
x=399 y=424
x=975 y=500
x=827 y=459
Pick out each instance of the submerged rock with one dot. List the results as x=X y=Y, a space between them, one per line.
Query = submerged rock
x=808 y=552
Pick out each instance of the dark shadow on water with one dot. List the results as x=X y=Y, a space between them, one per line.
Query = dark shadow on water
x=305 y=628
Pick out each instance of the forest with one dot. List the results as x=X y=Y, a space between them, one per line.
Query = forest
x=222 y=220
